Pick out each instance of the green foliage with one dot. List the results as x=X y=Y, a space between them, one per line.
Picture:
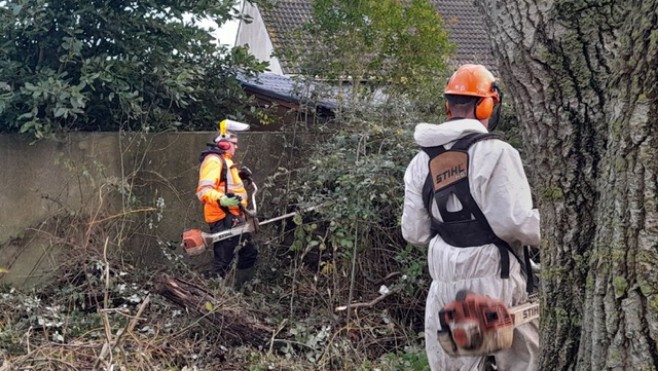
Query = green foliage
x=401 y=46
x=99 y=65
x=358 y=172
x=412 y=359
x=509 y=125
x=360 y=175
x=413 y=265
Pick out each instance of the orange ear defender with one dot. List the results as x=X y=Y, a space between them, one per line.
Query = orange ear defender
x=487 y=106
x=484 y=108
x=224 y=145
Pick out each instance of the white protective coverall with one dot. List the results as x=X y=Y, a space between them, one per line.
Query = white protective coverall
x=500 y=188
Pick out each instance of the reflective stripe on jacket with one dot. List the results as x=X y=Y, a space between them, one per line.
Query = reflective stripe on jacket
x=212 y=187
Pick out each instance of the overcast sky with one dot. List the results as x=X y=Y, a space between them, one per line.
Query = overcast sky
x=226 y=33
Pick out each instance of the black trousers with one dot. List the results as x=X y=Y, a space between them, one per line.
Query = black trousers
x=224 y=250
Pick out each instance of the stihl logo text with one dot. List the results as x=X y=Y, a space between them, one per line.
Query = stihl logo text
x=531 y=312
x=452 y=172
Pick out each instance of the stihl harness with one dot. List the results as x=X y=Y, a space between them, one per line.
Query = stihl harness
x=467 y=227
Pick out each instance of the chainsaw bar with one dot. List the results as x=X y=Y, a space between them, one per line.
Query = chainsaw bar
x=195 y=241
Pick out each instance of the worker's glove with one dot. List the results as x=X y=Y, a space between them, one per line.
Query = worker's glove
x=228 y=201
x=245 y=173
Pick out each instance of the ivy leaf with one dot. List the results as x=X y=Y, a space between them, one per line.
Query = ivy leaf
x=16 y=9
x=60 y=111
x=327 y=269
x=208 y=306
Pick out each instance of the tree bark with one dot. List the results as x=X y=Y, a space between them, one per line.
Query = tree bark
x=583 y=76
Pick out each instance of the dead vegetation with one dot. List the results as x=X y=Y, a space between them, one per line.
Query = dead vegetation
x=231 y=320
x=101 y=312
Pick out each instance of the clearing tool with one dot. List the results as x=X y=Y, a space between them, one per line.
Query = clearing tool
x=195 y=241
x=475 y=325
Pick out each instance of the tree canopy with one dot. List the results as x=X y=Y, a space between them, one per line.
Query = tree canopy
x=104 y=65
x=400 y=45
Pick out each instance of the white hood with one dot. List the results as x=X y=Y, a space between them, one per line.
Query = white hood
x=431 y=135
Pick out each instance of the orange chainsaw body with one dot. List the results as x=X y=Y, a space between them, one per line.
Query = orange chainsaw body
x=193 y=242
x=475 y=325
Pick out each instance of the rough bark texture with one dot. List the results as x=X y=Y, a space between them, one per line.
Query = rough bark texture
x=583 y=78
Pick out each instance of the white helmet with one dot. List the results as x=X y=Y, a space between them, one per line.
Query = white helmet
x=227 y=127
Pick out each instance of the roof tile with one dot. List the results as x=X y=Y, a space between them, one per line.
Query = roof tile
x=462 y=19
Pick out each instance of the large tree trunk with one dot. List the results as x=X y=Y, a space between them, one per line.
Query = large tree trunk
x=582 y=75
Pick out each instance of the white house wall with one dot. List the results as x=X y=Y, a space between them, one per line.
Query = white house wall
x=255 y=35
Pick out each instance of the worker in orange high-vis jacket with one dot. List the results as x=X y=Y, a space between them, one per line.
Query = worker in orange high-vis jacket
x=222 y=191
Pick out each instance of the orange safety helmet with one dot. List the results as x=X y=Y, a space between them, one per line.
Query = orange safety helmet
x=474 y=80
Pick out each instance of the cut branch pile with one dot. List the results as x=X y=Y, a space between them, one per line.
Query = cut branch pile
x=230 y=319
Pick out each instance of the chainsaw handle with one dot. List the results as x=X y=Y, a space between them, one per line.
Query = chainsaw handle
x=462 y=294
x=249 y=212
x=233 y=195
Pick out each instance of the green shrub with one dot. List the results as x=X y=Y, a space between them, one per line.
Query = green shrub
x=99 y=65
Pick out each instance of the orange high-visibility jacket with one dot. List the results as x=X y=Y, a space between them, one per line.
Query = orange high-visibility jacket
x=211 y=187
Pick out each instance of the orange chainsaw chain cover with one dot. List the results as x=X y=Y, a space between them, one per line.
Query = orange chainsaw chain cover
x=193 y=242
x=475 y=324
x=490 y=313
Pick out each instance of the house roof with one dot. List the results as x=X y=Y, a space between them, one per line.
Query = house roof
x=462 y=20
x=287 y=89
x=465 y=25
x=284 y=17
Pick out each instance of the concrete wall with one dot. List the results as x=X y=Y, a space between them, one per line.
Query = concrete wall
x=65 y=178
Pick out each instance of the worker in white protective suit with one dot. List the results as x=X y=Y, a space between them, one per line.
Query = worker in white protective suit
x=467 y=198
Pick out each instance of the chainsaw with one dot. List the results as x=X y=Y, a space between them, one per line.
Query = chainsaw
x=195 y=241
x=475 y=325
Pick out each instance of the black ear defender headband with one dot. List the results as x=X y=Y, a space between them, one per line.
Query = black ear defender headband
x=494 y=119
x=486 y=105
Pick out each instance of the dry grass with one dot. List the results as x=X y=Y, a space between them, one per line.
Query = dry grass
x=99 y=313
